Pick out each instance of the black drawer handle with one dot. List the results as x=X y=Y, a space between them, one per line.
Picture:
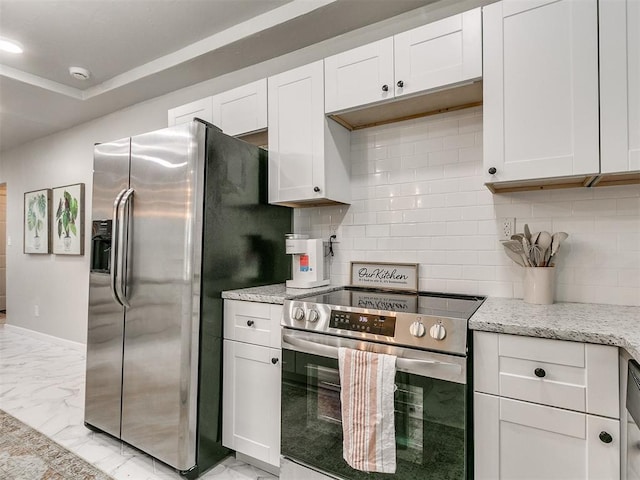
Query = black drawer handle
x=605 y=437
x=385 y=88
x=492 y=170
x=540 y=373
x=274 y=360
x=250 y=323
x=400 y=84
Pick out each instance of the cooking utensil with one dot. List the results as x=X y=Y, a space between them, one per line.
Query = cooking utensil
x=516 y=247
x=526 y=247
x=527 y=232
x=556 y=239
x=514 y=256
x=544 y=242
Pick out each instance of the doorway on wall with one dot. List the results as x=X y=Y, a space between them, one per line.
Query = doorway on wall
x=3 y=252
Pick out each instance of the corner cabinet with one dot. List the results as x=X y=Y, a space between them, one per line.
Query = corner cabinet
x=545 y=409
x=540 y=89
x=251 y=381
x=620 y=85
x=308 y=152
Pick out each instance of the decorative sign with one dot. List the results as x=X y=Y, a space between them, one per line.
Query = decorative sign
x=396 y=276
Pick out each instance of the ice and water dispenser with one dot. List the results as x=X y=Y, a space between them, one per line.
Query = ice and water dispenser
x=101 y=246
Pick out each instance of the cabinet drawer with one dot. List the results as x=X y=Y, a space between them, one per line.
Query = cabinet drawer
x=252 y=322
x=572 y=375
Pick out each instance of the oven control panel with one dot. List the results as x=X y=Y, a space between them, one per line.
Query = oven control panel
x=363 y=322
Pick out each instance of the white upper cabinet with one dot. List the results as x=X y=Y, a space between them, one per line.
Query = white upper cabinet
x=620 y=85
x=308 y=152
x=202 y=109
x=540 y=78
x=432 y=56
x=441 y=53
x=242 y=110
x=359 y=76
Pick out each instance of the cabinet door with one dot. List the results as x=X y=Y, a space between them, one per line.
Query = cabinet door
x=619 y=85
x=185 y=113
x=251 y=401
x=441 y=53
x=540 y=88
x=514 y=439
x=360 y=76
x=296 y=134
x=241 y=110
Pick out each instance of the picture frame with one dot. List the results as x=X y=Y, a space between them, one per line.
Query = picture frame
x=37 y=222
x=68 y=219
x=391 y=276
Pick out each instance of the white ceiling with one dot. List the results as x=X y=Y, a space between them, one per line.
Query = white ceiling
x=139 y=49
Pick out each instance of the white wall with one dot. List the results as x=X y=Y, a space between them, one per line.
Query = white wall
x=418 y=197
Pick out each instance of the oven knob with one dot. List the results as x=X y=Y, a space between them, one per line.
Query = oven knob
x=417 y=329
x=313 y=315
x=437 y=331
x=298 y=314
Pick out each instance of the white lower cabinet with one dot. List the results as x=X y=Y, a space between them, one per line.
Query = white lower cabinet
x=251 y=401
x=515 y=439
x=251 y=381
x=545 y=409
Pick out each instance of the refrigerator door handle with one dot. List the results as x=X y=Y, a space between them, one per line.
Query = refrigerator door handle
x=113 y=273
x=123 y=233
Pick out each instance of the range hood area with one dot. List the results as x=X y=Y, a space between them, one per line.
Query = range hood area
x=406 y=108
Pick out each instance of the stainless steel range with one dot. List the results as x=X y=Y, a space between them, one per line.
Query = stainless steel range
x=426 y=331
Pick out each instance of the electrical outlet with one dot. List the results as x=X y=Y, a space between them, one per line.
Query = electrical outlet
x=507 y=228
x=36 y=310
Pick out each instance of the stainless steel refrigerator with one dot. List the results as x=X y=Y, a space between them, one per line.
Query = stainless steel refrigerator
x=178 y=216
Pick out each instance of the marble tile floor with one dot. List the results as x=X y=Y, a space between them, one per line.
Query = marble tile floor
x=42 y=385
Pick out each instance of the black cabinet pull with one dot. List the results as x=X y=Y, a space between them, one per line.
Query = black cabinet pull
x=540 y=372
x=250 y=323
x=605 y=437
x=385 y=88
x=400 y=83
x=274 y=360
x=316 y=189
x=492 y=170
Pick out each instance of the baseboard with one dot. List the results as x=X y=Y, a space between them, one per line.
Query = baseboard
x=80 y=347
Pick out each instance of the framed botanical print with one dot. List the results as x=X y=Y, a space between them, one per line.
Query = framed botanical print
x=37 y=221
x=68 y=220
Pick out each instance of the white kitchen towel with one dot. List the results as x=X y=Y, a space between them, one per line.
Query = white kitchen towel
x=368 y=426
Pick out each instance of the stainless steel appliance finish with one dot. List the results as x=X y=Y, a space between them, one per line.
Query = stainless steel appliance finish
x=182 y=212
x=427 y=332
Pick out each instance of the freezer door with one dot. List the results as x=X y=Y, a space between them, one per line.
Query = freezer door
x=106 y=317
x=159 y=389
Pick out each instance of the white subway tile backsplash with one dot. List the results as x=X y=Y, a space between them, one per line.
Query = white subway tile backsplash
x=443 y=157
x=459 y=141
x=418 y=196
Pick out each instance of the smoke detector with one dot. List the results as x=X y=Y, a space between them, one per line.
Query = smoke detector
x=79 y=73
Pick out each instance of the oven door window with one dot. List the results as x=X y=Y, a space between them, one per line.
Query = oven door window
x=429 y=420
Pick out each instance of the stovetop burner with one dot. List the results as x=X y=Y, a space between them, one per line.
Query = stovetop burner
x=425 y=320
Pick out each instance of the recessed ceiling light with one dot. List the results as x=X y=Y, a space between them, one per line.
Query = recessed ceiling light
x=10 y=46
x=79 y=73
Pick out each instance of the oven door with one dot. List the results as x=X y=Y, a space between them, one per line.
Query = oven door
x=430 y=408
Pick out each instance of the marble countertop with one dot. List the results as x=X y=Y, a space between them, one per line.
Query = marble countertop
x=277 y=293
x=581 y=322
